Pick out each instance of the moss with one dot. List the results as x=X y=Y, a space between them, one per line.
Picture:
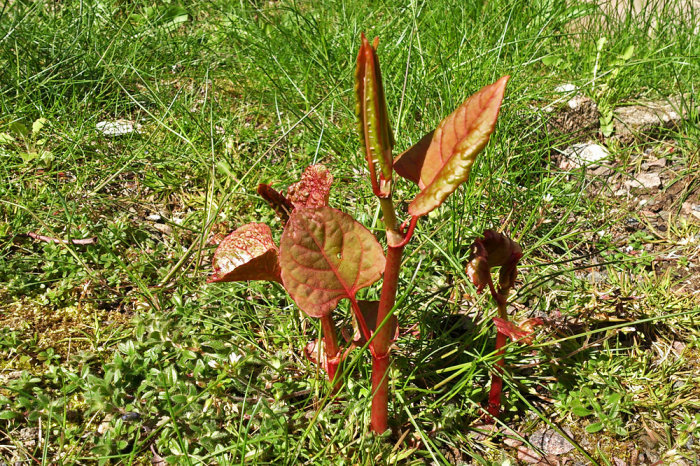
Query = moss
x=36 y=327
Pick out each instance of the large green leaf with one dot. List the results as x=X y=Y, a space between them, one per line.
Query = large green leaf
x=441 y=166
x=326 y=256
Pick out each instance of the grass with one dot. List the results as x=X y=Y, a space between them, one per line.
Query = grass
x=117 y=351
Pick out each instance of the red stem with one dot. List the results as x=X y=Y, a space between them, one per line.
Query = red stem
x=360 y=319
x=380 y=393
x=382 y=341
x=330 y=340
x=409 y=233
x=494 y=407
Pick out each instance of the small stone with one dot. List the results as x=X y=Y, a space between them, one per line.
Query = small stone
x=117 y=127
x=691 y=209
x=645 y=181
x=636 y=120
x=563 y=88
x=651 y=456
x=583 y=155
x=619 y=462
x=164 y=228
x=654 y=163
x=513 y=443
x=577 y=102
x=678 y=347
x=528 y=455
x=602 y=171
x=551 y=442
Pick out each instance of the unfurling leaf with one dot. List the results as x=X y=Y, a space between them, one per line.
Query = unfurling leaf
x=440 y=167
x=326 y=256
x=279 y=203
x=313 y=189
x=493 y=250
x=375 y=131
x=522 y=332
x=249 y=253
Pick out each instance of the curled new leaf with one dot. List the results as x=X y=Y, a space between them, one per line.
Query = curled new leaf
x=313 y=189
x=441 y=166
x=249 y=253
x=494 y=250
x=325 y=256
x=281 y=205
x=375 y=132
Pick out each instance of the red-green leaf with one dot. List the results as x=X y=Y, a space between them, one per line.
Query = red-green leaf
x=313 y=189
x=375 y=131
x=439 y=168
x=249 y=253
x=326 y=256
x=522 y=332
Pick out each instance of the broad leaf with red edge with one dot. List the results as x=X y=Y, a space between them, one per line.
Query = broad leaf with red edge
x=249 y=253
x=313 y=189
x=441 y=166
x=325 y=256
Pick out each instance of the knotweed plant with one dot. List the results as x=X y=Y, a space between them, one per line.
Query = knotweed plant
x=325 y=256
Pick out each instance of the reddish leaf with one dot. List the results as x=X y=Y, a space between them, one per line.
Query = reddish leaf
x=493 y=250
x=375 y=132
x=409 y=163
x=369 y=312
x=246 y=254
x=326 y=256
x=447 y=161
x=313 y=188
x=277 y=201
x=522 y=333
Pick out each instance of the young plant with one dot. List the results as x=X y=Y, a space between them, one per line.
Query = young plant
x=497 y=250
x=325 y=256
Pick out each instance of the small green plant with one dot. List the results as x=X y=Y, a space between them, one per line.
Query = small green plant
x=603 y=93
x=604 y=409
x=33 y=144
x=325 y=255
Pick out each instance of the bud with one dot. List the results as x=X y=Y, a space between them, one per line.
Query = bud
x=375 y=132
